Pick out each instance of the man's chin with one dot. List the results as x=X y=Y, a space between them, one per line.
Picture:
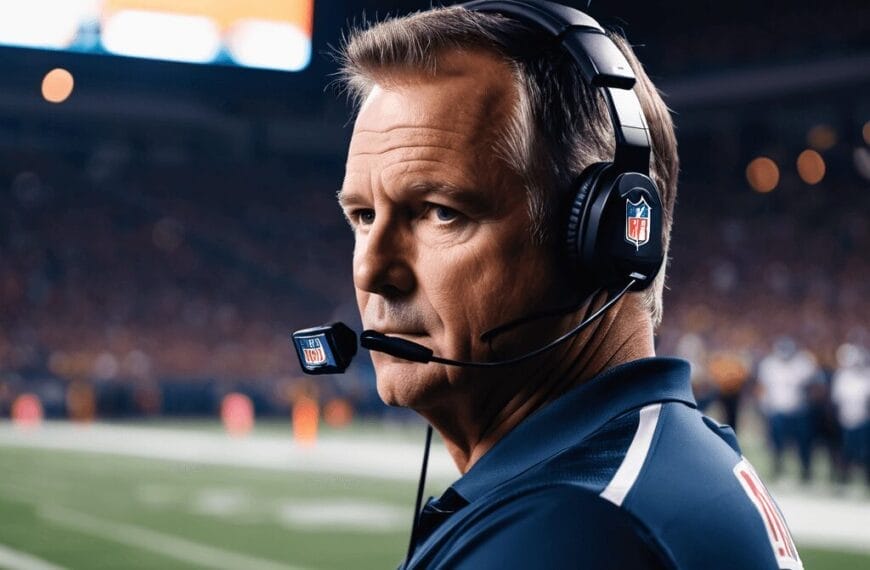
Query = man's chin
x=405 y=384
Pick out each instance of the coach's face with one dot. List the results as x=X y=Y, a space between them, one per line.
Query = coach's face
x=443 y=250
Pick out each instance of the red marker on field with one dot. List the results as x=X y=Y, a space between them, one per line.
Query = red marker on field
x=27 y=411
x=237 y=414
x=306 y=416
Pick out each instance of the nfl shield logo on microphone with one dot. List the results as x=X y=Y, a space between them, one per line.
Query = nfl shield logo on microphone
x=313 y=353
x=637 y=220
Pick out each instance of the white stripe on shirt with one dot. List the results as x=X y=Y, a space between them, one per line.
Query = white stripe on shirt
x=632 y=463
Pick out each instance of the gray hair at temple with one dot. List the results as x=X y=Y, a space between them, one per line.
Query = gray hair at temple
x=559 y=126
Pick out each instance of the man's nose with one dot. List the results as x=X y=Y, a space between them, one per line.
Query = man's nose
x=382 y=262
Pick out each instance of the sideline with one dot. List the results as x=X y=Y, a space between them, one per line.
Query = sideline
x=396 y=460
x=826 y=522
x=165 y=544
x=16 y=560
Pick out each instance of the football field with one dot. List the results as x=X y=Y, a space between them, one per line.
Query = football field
x=170 y=496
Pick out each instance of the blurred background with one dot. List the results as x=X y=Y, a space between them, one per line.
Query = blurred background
x=167 y=217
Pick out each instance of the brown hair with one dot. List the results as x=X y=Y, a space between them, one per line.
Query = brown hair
x=559 y=126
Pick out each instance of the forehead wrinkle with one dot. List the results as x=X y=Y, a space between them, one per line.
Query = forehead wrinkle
x=404 y=147
x=451 y=160
x=425 y=173
x=433 y=159
x=400 y=127
x=370 y=142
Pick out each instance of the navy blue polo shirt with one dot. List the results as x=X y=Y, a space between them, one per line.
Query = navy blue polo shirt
x=622 y=472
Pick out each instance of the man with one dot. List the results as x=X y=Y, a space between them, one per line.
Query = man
x=470 y=131
x=850 y=393
x=730 y=370
x=785 y=377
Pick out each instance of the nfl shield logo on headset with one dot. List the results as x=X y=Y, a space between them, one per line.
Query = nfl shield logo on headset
x=313 y=351
x=637 y=221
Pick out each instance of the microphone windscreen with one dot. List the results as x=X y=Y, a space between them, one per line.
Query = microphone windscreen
x=326 y=349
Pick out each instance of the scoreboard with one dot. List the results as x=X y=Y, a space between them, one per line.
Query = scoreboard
x=267 y=34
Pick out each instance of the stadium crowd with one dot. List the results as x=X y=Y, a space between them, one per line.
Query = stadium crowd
x=174 y=278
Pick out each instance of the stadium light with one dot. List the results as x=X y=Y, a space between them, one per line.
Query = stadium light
x=762 y=173
x=821 y=137
x=57 y=85
x=811 y=166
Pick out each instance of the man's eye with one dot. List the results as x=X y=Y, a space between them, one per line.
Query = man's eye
x=445 y=214
x=364 y=216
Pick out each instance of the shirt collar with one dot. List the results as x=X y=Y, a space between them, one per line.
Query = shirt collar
x=574 y=416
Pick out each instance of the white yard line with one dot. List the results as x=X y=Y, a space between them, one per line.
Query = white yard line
x=165 y=544
x=16 y=560
x=366 y=457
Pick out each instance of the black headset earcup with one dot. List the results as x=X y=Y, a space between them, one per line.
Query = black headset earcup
x=614 y=228
x=621 y=233
x=579 y=201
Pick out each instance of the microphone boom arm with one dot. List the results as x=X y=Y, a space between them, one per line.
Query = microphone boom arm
x=407 y=350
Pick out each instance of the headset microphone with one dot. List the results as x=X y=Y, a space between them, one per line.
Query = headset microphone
x=326 y=349
x=329 y=349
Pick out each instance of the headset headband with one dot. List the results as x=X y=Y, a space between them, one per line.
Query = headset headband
x=601 y=64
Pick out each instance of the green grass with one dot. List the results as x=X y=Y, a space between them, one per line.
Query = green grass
x=116 y=489
x=236 y=510
x=818 y=559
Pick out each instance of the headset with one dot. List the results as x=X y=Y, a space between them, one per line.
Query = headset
x=613 y=225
